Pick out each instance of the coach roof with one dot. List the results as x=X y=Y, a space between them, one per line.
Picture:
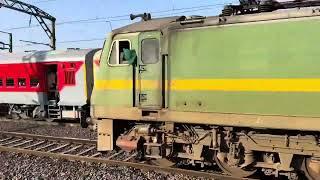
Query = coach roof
x=43 y=56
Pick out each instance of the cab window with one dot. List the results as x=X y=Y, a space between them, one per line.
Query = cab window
x=116 y=56
x=150 y=51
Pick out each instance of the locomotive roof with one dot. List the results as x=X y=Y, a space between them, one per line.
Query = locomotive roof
x=44 y=56
x=150 y=25
x=159 y=24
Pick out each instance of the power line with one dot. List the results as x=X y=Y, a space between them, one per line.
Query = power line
x=170 y=14
x=100 y=39
x=121 y=17
x=81 y=40
x=44 y=1
x=64 y=42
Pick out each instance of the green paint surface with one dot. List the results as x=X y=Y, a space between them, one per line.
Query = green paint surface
x=113 y=98
x=152 y=72
x=121 y=98
x=287 y=49
x=272 y=50
x=263 y=103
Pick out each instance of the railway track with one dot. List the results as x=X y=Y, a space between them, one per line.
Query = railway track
x=42 y=122
x=85 y=150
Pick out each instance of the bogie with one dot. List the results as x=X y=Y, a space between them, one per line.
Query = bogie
x=236 y=152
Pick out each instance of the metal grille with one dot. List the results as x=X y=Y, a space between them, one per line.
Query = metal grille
x=69 y=78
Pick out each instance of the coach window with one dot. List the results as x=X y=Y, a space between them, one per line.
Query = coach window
x=34 y=82
x=69 y=77
x=10 y=82
x=1 y=82
x=116 y=56
x=22 y=82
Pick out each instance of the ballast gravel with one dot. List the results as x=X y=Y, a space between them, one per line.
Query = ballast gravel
x=49 y=130
x=21 y=166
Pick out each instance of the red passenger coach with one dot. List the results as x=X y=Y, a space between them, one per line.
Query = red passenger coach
x=48 y=85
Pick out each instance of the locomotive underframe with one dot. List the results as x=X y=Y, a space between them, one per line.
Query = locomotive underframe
x=243 y=149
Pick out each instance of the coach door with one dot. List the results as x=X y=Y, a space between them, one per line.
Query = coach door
x=150 y=71
x=52 y=82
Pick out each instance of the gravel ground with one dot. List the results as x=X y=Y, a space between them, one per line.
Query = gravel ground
x=19 y=166
x=49 y=130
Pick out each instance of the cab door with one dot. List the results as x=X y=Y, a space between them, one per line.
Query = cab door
x=150 y=71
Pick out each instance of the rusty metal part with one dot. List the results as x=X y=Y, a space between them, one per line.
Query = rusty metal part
x=127 y=144
x=130 y=140
x=296 y=144
x=311 y=168
x=222 y=162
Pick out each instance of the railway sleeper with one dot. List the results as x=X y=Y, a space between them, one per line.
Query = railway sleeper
x=11 y=142
x=59 y=147
x=22 y=143
x=72 y=149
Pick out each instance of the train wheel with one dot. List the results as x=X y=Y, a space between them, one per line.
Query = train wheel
x=231 y=170
x=84 y=123
x=311 y=169
x=14 y=112
x=49 y=119
x=15 y=116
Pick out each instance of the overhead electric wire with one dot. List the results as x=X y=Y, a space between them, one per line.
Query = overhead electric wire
x=43 y=1
x=65 y=42
x=82 y=40
x=125 y=17
x=122 y=17
x=98 y=39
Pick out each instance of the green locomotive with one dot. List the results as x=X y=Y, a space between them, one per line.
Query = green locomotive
x=241 y=89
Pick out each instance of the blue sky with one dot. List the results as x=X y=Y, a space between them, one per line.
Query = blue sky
x=73 y=10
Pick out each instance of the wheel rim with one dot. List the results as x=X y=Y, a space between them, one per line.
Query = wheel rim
x=311 y=169
x=50 y=119
x=234 y=171
x=15 y=116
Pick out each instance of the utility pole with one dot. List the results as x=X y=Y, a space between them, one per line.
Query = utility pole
x=40 y=15
x=8 y=45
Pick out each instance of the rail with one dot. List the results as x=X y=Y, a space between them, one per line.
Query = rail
x=85 y=150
